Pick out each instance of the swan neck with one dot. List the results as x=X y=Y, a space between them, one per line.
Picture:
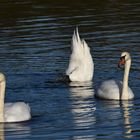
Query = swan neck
x=2 y=96
x=125 y=80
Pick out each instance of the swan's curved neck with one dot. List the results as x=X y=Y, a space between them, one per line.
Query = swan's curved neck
x=2 y=96
x=124 y=94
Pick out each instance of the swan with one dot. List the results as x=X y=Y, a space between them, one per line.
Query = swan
x=116 y=90
x=12 y=112
x=81 y=65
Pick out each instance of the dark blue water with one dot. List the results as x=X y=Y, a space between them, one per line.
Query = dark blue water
x=35 y=39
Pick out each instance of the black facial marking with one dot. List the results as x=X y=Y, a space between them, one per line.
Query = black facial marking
x=123 y=57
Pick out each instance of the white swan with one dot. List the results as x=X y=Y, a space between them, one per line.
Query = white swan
x=81 y=65
x=117 y=90
x=12 y=112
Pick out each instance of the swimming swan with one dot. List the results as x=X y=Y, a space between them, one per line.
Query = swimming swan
x=81 y=65
x=116 y=90
x=12 y=112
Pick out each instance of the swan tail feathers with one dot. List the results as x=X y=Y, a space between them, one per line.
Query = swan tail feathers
x=76 y=41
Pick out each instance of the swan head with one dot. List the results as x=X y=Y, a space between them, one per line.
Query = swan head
x=2 y=77
x=125 y=57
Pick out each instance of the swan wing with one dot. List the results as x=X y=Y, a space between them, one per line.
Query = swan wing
x=77 y=53
x=16 y=112
x=109 y=89
x=130 y=93
x=80 y=63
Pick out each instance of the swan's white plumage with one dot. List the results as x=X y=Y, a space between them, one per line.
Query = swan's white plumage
x=16 y=112
x=81 y=65
x=116 y=90
x=111 y=90
x=12 y=112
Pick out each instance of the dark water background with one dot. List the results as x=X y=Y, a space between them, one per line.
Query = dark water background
x=35 y=39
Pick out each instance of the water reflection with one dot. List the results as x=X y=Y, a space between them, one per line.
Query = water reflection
x=14 y=130
x=126 y=106
x=83 y=108
x=117 y=115
x=2 y=131
x=81 y=89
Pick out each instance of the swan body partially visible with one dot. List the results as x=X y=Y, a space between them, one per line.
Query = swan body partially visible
x=81 y=66
x=16 y=112
x=111 y=90
x=12 y=112
x=116 y=90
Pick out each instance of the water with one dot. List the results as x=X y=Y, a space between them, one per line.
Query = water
x=35 y=39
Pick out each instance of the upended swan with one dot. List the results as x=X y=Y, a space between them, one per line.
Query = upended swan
x=12 y=112
x=81 y=65
x=116 y=90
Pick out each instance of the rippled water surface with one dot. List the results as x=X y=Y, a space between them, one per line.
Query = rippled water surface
x=35 y=39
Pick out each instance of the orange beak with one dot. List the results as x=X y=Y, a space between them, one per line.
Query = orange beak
x=121 y=62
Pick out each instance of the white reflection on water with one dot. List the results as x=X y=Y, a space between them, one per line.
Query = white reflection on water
x=117 y=116
x=83 y=108
x=2 y=131
x=127 y=116
x=14 y=130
